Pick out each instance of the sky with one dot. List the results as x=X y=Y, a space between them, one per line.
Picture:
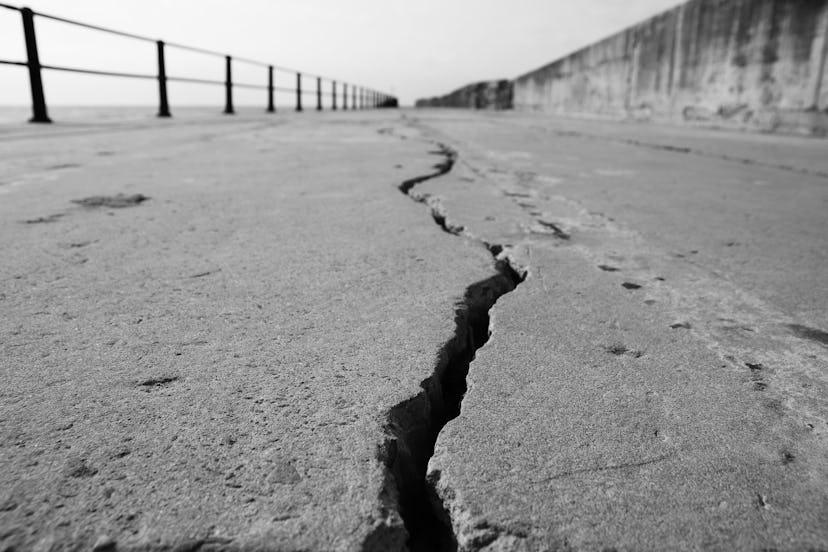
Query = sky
x=410 y=49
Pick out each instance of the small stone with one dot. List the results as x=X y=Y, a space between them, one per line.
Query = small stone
x=104 y=543
x=77 y=467
x=283 y=473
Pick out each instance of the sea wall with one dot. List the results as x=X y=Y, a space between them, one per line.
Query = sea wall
x=481 y=95
x=746 y=63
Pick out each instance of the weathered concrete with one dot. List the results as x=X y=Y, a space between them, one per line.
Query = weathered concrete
x=651 y=384
x=757 y=64
x=214 y=368
x=262 y=354
x=495 y=94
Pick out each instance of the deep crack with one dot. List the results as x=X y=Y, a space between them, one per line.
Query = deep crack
x=413 y=425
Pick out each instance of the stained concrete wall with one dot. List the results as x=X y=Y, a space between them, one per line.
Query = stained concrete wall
x=747 y=63
x=480 y=95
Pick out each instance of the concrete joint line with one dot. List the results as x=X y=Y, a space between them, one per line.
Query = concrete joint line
x=414 y=424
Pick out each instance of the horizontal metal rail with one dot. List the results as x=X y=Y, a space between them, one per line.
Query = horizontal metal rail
x=96 y=72
x=360 y=97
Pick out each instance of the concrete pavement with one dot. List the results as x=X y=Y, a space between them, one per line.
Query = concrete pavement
x=658 y=382
x=262 y=355
x=214 y=367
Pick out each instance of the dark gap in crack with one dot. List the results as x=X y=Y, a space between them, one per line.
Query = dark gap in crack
x=557 y=231
x=440 y=218
x=414 y=425
x=442 y=168
x=437 y=212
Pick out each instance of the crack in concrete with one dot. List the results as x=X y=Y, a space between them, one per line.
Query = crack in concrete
x=442 y=168
x=692 y=151
x=414 y=424
x=612 y=467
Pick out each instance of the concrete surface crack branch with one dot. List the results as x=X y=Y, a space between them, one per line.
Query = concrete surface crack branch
x=694 y=151
x=442 y=168
x=437 y=211
x=413 y=425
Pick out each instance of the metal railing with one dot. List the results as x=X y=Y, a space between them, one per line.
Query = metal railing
x=361 y=97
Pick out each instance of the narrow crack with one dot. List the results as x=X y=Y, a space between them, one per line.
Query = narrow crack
x=413 y=425
x=442 y=168
x=692 y=151
x=438 y=212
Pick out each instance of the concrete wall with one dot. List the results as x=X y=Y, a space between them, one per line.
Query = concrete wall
x=746 y=63
x=480 y=95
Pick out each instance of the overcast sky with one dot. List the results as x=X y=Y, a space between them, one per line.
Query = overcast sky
x=411 y=48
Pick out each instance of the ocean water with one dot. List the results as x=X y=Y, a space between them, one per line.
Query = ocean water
x=16 y=116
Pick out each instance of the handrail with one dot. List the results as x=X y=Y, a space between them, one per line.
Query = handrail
x=94 y=27
x=361 y=97
x=96 y=72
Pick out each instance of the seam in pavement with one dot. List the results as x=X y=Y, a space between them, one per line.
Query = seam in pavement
x=691 y=151
x=414 y=424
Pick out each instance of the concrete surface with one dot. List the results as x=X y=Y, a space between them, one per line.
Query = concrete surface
x=214 y=367
x=650 y=385
x=609 y=336
x=495 y=94
x=757 y=64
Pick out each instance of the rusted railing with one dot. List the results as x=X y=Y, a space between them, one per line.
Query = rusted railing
x=361 y=97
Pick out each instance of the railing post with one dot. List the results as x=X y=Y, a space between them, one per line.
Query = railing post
x=163 y=105
x=298 y=91
x=39 y=114
x=319 y=93
x=353 y=97
x=345 y=96
x=228 y=86
x=333 y=95
x=271 y=107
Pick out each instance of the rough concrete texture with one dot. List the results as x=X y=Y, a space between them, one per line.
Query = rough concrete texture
x=213 y=367
x=495 y=94
x=436 y=331
x=648 y=386
x=758 y=64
